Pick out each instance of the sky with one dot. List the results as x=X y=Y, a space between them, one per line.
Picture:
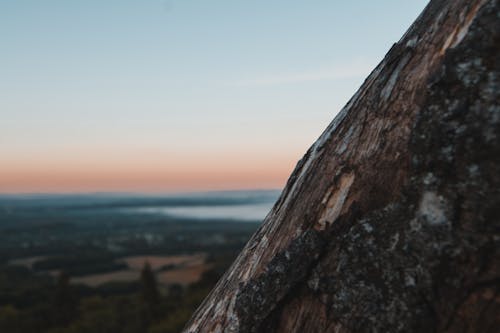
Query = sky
x=179 y=95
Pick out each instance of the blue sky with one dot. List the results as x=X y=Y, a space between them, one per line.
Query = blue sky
x=93 y=85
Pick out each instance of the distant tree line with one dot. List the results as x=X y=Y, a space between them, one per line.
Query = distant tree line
x=57 y=306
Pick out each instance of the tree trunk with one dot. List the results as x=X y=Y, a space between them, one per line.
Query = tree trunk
x=390 y=222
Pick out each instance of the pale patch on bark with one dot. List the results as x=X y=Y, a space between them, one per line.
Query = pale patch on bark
x=336 y=202
x=461 y=31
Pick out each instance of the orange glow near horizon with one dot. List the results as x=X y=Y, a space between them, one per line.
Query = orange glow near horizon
x=145 y=173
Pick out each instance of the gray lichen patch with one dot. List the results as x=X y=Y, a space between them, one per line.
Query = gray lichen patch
x=257 y=298
x=433 y=208
x=363 y=280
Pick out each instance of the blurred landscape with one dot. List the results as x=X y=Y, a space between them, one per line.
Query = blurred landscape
x=104 y=100
x=117 y=262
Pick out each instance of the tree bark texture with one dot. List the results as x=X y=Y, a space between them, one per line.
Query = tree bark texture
x=390 y=222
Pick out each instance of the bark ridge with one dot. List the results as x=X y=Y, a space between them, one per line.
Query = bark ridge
x=390 y=222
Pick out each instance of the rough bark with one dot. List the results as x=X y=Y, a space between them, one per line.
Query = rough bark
x=390 y=222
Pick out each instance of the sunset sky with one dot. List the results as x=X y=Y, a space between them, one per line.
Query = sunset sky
x=166 y=96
